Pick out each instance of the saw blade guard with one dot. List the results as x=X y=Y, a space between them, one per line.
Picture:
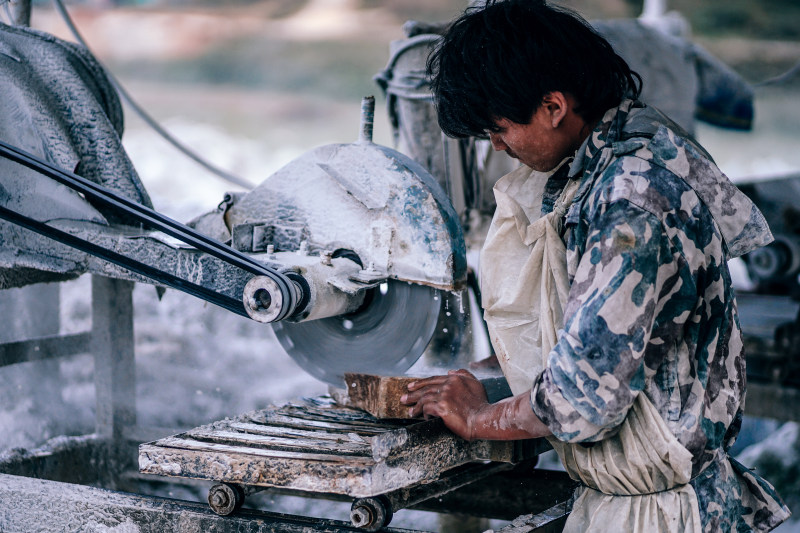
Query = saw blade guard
x=374 y=238
x=362 y=199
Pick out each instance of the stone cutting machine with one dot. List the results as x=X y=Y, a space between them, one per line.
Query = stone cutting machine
x=344 y=249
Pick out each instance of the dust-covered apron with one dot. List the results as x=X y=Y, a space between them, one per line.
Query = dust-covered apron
x=637 y=480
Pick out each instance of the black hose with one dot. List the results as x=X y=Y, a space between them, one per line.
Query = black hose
x=150 y=121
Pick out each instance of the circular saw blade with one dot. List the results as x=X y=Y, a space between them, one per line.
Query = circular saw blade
x=385 y=336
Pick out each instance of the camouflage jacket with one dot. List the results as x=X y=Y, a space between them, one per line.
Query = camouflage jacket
x=651 y=309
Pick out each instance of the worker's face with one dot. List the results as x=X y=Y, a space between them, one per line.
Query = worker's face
x=542 y=143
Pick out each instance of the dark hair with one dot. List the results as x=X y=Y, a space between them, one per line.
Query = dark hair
x=500 y=61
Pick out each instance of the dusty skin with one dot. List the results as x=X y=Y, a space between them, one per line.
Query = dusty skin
x=459 y=399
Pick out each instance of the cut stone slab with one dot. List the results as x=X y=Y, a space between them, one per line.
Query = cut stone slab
x=378 y=395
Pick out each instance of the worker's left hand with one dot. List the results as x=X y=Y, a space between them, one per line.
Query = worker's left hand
x=456 y=398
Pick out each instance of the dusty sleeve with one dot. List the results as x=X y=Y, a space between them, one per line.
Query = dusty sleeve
x=597 y=368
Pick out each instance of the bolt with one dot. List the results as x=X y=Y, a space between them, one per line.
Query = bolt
x=219 y=499
x=360 y=516
x=261 y=300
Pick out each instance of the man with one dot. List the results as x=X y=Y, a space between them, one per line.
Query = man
x=613 y=314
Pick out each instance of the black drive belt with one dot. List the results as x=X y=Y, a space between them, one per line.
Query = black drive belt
x=150 y=219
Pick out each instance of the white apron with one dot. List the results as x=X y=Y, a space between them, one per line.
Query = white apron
x=638 y=479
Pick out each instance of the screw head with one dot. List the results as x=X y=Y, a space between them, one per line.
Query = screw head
x=219 y=499
x=360 y=516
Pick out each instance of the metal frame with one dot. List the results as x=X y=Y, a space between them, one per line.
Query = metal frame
x=105 y=455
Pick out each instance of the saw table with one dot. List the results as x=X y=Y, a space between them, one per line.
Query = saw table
x=315 y=447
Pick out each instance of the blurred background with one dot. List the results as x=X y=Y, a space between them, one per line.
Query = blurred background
x=251 y=85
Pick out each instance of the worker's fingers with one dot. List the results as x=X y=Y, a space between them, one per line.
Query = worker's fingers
x=424 y=382
x=455 y=382
x=421 y=391
x=411 y=398
x=421 y=402
x=424 y=400
x=416 y=409
x=438 y=381
x=449 y=400
x=431 y=409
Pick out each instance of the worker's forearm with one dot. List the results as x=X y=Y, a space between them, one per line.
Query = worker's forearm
x=509 y=419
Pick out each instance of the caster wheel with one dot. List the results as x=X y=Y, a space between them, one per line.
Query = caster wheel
x=225 y=498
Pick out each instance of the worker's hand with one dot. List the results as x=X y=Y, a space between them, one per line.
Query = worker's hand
x=456 y=398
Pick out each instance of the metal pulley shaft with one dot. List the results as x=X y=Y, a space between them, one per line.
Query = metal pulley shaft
x=263 y=299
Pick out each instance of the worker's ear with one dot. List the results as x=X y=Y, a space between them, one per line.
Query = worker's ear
x=557 y=107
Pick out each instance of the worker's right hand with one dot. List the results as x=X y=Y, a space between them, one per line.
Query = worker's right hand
x=457 y=398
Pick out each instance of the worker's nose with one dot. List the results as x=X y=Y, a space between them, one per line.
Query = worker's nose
x=497 y=142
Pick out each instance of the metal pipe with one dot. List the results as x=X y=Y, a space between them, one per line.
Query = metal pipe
x=367 y=119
